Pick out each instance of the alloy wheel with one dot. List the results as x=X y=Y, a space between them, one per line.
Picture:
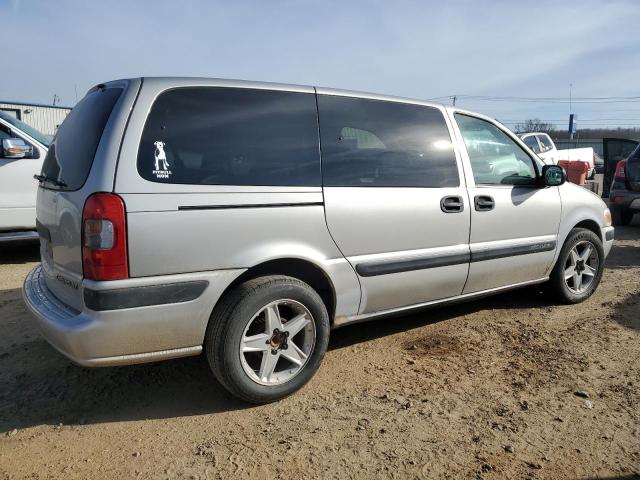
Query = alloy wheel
x=581 y=267
x=277 y=342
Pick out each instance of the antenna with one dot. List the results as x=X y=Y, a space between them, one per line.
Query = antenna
x=75 y=88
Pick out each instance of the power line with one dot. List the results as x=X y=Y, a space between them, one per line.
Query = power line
x=495 y=98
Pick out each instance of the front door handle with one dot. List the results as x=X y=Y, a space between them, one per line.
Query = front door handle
x=484 y=203
x=452 y=204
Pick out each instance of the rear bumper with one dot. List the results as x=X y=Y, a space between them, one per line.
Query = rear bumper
x=117 y=333
x=20 y=236
x=625 y=199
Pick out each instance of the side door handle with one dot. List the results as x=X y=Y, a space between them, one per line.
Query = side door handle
x=452 y=204
x=484 y=203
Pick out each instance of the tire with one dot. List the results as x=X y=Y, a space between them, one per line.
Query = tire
x=563 y=289
x=242 y=319
x=621 y=216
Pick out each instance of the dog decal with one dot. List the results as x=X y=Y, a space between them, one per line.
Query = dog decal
x=161 y=163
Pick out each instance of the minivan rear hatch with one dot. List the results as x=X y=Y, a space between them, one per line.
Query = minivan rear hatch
x=63 y=191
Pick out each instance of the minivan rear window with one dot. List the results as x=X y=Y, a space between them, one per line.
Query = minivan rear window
x=71 y=153
x=231 y=136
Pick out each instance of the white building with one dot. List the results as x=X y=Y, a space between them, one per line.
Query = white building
x=45 y=118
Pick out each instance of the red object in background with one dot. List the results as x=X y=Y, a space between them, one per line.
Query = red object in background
x=620 y=175
x=576 y=171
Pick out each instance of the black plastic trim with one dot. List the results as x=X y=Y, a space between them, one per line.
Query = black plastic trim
x=144 y=296
x=250 y=205
x=609 y=235
x=503 y=252
x=372 y=269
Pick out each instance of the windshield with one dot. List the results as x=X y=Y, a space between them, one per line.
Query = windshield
x=32 y=132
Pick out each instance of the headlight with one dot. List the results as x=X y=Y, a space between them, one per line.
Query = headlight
x=607 y=217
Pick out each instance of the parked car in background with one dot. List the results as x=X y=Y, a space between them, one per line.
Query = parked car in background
x=545 y=148
x=542 y=145
x=624 y=195
x=598 y=163
x=22 y=151
x=196 y=215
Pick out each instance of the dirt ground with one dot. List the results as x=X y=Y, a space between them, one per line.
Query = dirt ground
x=480 y=390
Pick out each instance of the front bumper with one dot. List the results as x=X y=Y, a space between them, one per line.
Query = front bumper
x=608 y=234
x=125 y=335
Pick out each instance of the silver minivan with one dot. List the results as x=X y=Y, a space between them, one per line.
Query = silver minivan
x=248 y=220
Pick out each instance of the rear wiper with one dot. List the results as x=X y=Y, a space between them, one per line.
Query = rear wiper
x=55 y=181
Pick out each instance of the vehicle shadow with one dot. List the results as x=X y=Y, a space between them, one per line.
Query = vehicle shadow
x=622 y=254
x=14 y=254
x=40 y=386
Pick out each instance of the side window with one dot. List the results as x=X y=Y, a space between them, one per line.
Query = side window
x=373 y=143
x=545 y=143
x=231 y=136
x=4 y=132
x=495 y=158
x=532 y=143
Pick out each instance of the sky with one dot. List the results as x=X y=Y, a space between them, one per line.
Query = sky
x=420 y=49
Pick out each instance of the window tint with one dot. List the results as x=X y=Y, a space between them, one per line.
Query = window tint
x=371 y=143
x=71 y=153
x=532 y=143
x=545 y=143
x=495 y=158
x=231 y=136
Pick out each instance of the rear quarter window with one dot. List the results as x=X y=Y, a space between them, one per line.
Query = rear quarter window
x=71 y=153
x=231 y=136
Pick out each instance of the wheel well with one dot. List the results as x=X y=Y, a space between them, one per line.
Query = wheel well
x=590 y=225
x=303 y=270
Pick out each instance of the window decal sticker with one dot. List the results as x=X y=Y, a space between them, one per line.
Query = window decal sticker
x=162 y=166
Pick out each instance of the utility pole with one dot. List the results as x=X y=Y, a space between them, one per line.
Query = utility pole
x=570 y=113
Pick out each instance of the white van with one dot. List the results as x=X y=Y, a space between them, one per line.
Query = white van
x=22 y=151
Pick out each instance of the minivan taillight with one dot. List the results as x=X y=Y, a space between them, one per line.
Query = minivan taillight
x=104 y=238
x=620 y=170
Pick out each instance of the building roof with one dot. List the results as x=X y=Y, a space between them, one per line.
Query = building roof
x=31 y=104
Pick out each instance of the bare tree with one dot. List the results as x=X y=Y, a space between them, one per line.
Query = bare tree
x=534 y=125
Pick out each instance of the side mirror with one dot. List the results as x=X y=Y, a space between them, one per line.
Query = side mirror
x=15 y=148
x=553 y=175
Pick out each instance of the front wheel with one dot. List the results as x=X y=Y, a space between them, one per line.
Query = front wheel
x=267 y=338
x=579 y=268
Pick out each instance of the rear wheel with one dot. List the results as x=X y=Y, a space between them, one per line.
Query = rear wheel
x=267 y=338
x=579 y=268
x=621 y=216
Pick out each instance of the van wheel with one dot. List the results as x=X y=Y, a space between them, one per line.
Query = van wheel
x=621 y=216
x=267 y=337
x=579 y=268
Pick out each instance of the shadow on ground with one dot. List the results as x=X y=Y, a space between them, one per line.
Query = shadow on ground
x=20 y=253
x=39 y=386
